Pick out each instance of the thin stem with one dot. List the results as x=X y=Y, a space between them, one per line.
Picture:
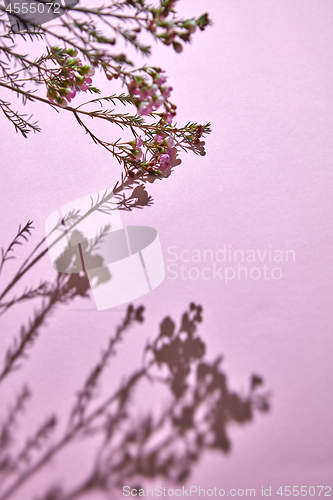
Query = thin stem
x=91 y=114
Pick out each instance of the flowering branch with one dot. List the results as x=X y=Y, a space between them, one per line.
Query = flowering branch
x=63 y=75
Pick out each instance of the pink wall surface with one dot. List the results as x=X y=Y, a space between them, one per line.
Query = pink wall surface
x=262 y=75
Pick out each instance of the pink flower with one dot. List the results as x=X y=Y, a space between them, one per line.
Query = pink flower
x=83 y=87
x=158 y=139
x=170 y=142
x=91 y=72
x=138 y=142
x=168 y=118
x=166 y=91
x=148 y=91
x=88 y=80
x=145 y=108
x=158 y=100
x=164 y=160
x=153 y=89
x=71 y=94
x=144 y=93
x=160 y=79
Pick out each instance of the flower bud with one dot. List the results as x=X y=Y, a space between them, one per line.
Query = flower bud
x=203 y=21
x=84 y=70
x=166 y=23
x=137 y=153
x=51 y=94
x=62 y=102
x=63 y=92
x=178 y=47
x=186 y=36
x=190 y=26
x=79 y=80
x=71 y=51
x=71 y=61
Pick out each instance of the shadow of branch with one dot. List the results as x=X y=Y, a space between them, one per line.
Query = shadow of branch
x=138 y=448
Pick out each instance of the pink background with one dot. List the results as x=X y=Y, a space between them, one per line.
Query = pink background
x=263 y=77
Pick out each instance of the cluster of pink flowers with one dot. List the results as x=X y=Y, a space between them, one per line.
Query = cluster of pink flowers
x=161 y=158
x=150 y=96
x=74 y=76
x=165 y=157
x=162 y=148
